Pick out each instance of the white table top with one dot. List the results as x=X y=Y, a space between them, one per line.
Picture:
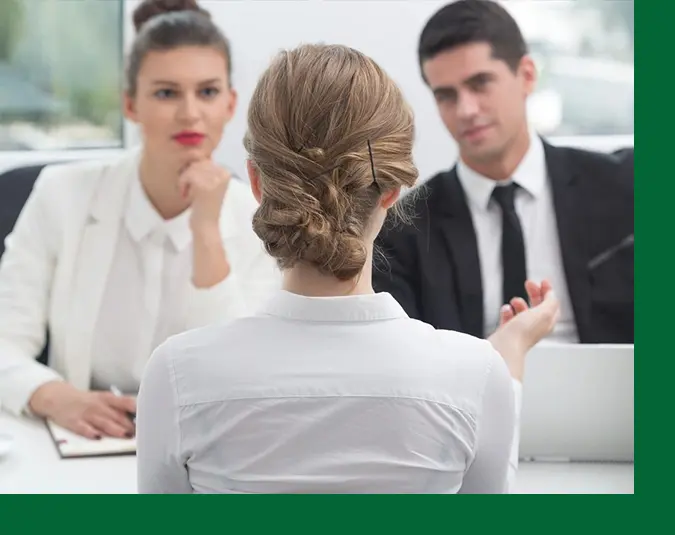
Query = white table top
x=33 y=466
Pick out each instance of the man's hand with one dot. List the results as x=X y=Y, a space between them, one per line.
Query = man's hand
x=522 y=327
x=90 y=414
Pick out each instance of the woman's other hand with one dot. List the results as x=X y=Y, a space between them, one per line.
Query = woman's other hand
x=522 y=326
x=89 y=414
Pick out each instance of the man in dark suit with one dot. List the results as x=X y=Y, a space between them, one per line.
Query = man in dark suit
x=514 y=207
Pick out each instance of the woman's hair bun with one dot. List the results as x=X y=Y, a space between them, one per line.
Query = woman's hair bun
x=149 y=9
x=329 y=133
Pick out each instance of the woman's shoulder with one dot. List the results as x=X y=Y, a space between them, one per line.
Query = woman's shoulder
x=198 y=352
x=239 y=197
x=472 y=353
x=454 y=342
x=454 y=353
x=238 y=209
x=81 y=175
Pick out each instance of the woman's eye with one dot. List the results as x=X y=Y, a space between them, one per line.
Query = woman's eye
x=164 y=93
x=210 y=92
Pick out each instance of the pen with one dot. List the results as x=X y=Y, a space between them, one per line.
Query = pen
x=117 y=392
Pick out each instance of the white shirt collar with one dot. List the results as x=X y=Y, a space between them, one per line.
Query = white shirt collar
x=350 y=308
x=529 y=175
x=142 y=219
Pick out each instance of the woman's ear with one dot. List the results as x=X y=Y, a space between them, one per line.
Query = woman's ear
x=254 y=178
x=389 y=198
x=129 y=107
x=232 y=104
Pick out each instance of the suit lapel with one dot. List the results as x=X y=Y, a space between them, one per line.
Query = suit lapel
x=457 y=228
x=564 y=185
x=94 y=258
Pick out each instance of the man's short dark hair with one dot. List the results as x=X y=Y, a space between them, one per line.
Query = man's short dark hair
x=473 y=21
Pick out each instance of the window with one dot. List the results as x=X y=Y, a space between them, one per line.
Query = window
x=60 y=74
x=584 y=52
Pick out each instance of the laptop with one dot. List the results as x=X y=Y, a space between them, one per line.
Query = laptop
x=578 y=403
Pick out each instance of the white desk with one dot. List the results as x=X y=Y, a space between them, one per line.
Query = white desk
x=34 y=467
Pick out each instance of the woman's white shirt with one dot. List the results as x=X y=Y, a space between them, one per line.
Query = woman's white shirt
x=326 y=395
x=142 y=304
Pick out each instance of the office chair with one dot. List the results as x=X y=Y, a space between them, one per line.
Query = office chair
x=15 y=187
x=625 y=154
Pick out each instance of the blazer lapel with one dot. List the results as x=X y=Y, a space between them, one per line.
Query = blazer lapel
x=456 y=226
x=94 y=258
x=564 y=184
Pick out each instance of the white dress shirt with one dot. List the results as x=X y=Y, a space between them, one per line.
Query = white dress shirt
x=142 y=303
x=534 y=205
x=326 y=395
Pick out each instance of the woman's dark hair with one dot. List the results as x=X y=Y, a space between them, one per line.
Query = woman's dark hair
x=168 y=24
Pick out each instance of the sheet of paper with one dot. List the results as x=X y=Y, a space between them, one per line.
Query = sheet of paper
x=71 y=445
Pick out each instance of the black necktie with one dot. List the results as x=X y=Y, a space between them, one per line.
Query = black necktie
x=513 y=244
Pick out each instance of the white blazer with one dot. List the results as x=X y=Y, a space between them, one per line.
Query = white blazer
x=56 y=263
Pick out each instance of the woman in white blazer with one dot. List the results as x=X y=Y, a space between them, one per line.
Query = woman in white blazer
x=331 y=388
x=113 y=257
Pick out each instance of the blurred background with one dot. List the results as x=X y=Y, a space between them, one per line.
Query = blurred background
x=61 y=68
x=60 y=74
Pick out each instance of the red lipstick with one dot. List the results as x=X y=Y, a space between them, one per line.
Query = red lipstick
x=188 y=138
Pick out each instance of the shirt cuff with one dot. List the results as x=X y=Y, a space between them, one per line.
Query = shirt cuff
x=20 y=386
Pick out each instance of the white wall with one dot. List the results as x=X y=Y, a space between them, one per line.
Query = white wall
x=385 y=30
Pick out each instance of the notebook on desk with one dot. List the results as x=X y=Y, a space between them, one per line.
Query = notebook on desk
x=71 y=446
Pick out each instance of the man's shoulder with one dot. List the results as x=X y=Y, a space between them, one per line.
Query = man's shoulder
x=439 y=182
x=431 y=194
x=241 y=195
x=615 y=167
x=420 y=206
x=617 y=157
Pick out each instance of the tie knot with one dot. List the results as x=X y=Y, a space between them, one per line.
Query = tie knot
x=505 y=196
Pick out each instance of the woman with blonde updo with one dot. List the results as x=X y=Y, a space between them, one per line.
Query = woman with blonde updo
x=331 y=388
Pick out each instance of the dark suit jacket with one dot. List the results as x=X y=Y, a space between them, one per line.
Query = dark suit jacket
x=432 y=267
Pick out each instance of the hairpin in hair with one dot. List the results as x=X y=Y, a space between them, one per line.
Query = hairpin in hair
x=372 y=164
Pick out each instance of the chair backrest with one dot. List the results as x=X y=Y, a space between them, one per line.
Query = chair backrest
x=626 y=154
x=15 y=188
